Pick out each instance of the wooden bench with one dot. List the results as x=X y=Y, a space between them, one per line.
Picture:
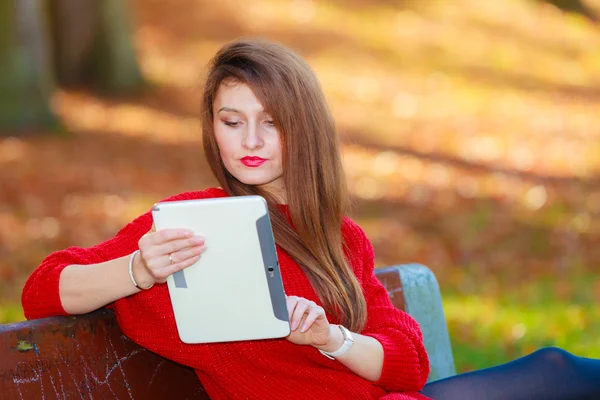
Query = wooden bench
x=89 y=357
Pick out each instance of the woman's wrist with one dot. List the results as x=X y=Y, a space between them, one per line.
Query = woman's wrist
x=140 y=273
x=336 y=340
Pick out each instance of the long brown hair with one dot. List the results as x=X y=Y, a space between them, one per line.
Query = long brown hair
x=313 y=175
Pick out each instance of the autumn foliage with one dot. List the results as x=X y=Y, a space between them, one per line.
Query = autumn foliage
x=471 y=138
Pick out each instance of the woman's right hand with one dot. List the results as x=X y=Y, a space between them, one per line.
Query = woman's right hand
x=165 y=252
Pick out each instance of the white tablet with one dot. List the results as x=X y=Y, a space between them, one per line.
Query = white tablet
x=234 y=292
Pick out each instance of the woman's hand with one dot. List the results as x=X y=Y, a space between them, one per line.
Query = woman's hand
x=308 y=322
x=165 y=252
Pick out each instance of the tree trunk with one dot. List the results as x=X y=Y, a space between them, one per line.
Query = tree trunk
x=26 y=78
x=74 y=25
x=93 y=46
x=575 y=6
x=115 y=59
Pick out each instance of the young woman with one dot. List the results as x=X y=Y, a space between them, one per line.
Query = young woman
x=267 y=131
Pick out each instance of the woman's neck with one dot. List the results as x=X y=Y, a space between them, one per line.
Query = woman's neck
x=278 y=193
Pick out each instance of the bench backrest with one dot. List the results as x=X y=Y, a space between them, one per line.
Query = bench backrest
x=89 y=357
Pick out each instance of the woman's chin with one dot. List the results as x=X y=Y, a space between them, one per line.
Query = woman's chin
x=254 y=180
x=267 y=182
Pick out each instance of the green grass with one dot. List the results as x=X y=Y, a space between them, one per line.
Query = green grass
x=486 y=331
x=10 y=312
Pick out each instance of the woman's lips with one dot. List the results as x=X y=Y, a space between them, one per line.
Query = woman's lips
x=253 y=162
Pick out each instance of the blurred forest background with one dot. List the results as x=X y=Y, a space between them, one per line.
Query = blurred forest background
x=471 y=134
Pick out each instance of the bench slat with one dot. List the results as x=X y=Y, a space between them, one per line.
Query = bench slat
x=86 y=357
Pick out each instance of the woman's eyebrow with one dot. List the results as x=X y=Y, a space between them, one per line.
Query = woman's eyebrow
x=229 y=109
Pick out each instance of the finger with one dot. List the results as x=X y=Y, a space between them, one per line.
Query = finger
x=159 y=237
x=291 y=302
x=314 y=314
x=299 y=311
x=156 y=264
x=166 y=235
x=175 y=245
x=164 y=273
x=186 y=253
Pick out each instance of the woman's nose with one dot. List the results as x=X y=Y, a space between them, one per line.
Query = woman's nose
x=252 y=139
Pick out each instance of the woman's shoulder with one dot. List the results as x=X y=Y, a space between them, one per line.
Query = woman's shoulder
x=353 y=234
x=357 y=247
x=209 y=193
x=351 y=226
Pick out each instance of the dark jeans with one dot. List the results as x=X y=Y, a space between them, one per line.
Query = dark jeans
x=547 y=374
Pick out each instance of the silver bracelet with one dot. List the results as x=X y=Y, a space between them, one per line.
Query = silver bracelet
x=131 y=257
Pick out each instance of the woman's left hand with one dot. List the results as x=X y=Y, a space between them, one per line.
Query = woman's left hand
x=309 y=325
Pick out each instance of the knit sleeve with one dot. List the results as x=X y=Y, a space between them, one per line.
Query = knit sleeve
x=405 y=363
x=40 y=297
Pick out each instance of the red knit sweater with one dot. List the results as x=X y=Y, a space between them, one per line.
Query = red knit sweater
x=263 y=369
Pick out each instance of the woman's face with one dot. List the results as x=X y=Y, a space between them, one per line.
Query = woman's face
x=248 y=140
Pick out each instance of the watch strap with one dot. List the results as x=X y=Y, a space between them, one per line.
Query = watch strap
x=348 y=342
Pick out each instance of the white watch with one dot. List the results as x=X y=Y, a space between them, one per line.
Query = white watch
x=348 y=342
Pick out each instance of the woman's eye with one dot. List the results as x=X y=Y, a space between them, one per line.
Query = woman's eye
x=231 y=123
x=270 y=123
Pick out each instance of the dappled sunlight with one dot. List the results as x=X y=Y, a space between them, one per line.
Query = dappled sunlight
x=82 y=112
x=470 y=137
x=395 y=90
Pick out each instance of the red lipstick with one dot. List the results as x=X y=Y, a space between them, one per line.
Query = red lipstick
x=253 y=162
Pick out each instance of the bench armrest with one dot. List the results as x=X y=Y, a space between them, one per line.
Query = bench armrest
x=423 y=302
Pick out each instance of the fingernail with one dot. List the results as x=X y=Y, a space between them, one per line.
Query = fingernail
x=303 y=329
x=202 y=249
x=294 y=326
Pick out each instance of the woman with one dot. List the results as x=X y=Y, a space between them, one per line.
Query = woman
x=267 y=131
